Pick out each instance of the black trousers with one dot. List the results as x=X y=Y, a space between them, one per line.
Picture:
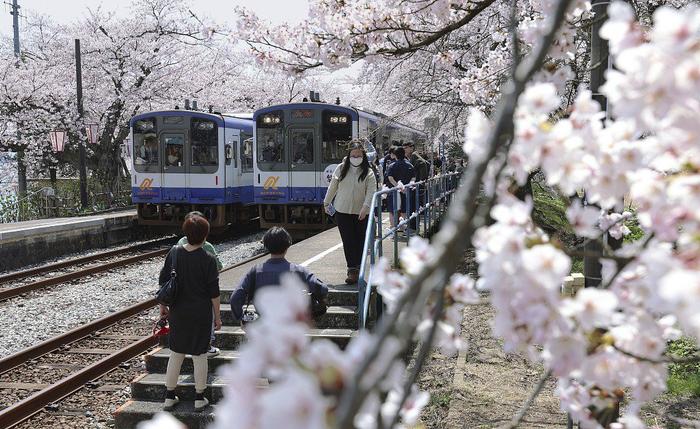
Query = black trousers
x=352 y=232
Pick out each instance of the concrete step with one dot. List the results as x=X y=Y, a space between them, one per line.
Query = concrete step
x=130 y=414
x=337 y=317
x=229 y=337
x=151 y=387
x=157 y=361
x=337 y=295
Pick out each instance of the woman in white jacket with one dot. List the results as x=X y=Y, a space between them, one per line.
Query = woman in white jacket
x=352 y=187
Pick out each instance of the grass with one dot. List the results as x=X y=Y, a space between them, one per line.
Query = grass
x=441 y=399
x=549 y=211
x=684 y=379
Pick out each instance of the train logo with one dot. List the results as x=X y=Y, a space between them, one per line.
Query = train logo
x=146 y=184
x=271 y=183
x=327 y=174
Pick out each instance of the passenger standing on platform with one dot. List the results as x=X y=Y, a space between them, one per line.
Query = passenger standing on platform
x=190 y=315
x=207 y=246
x=422 y=170
x=277 y=241
x=400 y=171
x=352 y=187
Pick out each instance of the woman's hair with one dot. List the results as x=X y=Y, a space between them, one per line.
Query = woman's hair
x=277 y=240
x=355 y=144
x=196 y=229
x=400 y=153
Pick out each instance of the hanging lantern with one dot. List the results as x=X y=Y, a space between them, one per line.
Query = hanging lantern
x=58 y=139
x=93 y=132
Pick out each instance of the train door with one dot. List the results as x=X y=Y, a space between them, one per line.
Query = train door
x=303 y=162
x=173 y=181
x=245 y=172
x=230 y=176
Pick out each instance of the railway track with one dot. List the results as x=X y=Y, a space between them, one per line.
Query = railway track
x=85 y=345
x=77 y=272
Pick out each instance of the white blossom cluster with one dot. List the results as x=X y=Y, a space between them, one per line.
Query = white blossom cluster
x=307 y=377
x=604 y=341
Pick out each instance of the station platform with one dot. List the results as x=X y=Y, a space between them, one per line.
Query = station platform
x=23 y=243
x=323 y=255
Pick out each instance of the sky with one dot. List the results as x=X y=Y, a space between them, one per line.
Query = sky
x=65 y=11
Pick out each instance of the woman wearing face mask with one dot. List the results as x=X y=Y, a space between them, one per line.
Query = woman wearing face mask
x=352 y=186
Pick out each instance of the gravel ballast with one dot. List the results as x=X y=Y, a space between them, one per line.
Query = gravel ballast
x=28 y=320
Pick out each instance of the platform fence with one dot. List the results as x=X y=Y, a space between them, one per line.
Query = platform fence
x=427 y=202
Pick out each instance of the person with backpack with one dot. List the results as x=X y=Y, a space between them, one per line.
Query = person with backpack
x=190 y=313
x=277 y=241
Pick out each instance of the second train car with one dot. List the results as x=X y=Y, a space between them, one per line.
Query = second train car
x=297 y=148
x=185 y=160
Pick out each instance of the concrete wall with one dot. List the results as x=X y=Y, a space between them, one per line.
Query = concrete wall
x=19 y=248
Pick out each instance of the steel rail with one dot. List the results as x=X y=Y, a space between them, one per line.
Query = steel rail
x=40 y=284
x=29 y=406
x=51 y=344
x=84 y=259
x=83 y=331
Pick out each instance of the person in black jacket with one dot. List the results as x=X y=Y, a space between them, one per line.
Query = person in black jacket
x=277 y=241
x=190 y=315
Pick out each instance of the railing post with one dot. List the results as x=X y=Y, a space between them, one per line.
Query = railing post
x=397 y=200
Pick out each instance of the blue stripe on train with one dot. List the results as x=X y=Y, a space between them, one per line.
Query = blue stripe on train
x=290 y=195
x=239 y=194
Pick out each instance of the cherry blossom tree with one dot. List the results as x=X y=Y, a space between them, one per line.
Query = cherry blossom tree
x=158 y=56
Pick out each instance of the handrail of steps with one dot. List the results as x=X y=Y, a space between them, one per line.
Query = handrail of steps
x=436 y=193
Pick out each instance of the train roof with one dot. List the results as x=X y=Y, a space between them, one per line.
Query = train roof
x=354 y=112
x=235 y=120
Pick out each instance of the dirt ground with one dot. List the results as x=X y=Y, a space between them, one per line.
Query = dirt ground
x=492 y=386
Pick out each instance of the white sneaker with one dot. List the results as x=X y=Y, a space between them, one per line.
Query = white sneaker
x=169 y=404
x=213 y=351
x=201 y=404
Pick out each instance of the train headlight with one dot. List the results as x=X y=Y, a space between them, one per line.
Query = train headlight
x=338 y=119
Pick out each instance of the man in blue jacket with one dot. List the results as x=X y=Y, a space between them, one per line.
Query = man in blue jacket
x=277 y=241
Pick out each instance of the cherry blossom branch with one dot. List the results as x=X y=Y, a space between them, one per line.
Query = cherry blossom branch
x=621 y=266
x=518 y=418
x=666 y=359
x=458 y=227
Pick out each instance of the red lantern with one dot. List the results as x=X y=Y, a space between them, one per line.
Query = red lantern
x=58 y=139
x=93 y=132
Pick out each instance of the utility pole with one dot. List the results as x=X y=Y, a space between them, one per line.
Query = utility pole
x=600 y=62
x=81 y=142
x=21 y=167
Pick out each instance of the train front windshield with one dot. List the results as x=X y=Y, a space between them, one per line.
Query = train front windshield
x=270 y=138
x=337 y=132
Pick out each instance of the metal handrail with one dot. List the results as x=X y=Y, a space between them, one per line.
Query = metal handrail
x=436 y=189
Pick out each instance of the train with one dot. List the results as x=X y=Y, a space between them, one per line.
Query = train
x=273 y=165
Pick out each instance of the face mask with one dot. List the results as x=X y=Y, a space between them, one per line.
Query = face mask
x=356 y=161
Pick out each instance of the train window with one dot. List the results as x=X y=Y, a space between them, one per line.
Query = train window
x=337 y=132
x=204 y=144
x=174 y=149
x=372 y=131
x=246 y=153
x=302 y=146
x=145 y=146
x=270 y=140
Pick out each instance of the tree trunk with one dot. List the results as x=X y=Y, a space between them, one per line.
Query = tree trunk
x=21 y=173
